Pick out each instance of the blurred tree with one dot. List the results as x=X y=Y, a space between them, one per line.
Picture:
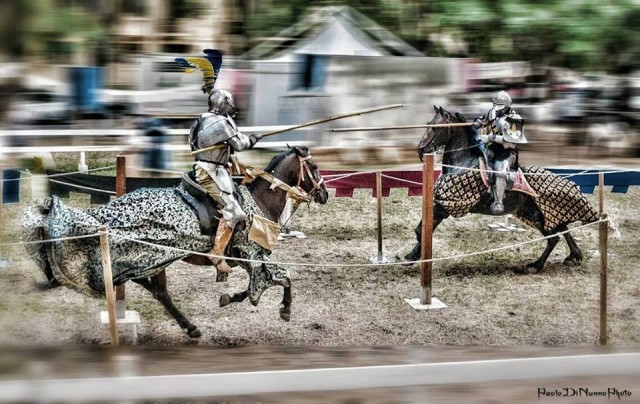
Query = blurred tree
x=55 y=29
x=578 y=34
x=15 y=20
x=185 y=8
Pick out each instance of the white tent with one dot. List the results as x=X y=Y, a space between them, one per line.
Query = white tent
x=334 y=30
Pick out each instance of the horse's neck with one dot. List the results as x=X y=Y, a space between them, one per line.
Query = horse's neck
x=459 y=154
x=271 y=202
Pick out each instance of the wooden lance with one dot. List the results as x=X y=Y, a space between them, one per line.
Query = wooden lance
x=429 y=125
x=304 y=125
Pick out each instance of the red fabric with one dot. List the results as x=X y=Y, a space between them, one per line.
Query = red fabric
x=345 y=186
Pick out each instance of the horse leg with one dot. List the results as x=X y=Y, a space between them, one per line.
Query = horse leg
x=538 y=264
x=157 y=285
x=439 y=214
x=285 y=308
x=575 y=255
x=236 y=298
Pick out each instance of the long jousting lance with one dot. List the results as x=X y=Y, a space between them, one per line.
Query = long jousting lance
x=431 y=125
x=316 y=122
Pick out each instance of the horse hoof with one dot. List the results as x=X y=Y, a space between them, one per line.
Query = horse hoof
x=411 y=257
x=225 y=300
x=195 y=333
x=572 y=261
x=52 y=284
x=528 y=269
x=285 y=315
x=221 y=276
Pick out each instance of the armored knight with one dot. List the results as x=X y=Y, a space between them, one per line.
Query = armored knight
x=498 y=134
x=217 y=128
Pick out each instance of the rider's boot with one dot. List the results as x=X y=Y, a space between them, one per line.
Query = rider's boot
x=220 y=242
x=497 y=208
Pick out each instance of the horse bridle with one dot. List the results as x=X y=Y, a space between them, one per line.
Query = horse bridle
x=304 y=167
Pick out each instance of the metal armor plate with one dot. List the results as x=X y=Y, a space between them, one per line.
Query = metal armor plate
x=210 y=130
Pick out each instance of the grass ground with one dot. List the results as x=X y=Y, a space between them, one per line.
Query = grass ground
x=488 y=304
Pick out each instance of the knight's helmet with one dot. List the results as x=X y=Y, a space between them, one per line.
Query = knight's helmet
x=501 y=102
x=221 y=103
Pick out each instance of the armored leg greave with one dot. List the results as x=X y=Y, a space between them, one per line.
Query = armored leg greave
x=232 y=212
x=500 y=176
x=220 y=243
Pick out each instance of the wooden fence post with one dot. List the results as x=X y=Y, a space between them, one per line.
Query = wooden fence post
x=379 y=198
x=379 y=258
x=121 y=189
x=108 y=285
x=427 y=230
x=604 y=252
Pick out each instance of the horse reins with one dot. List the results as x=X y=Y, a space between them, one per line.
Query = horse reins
x=296 y=192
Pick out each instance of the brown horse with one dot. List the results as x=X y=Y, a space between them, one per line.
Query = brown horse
x=562 y=201
x=160 y=218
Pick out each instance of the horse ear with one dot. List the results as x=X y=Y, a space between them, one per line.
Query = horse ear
x=460 y=117
x=435 y=108
x=301 y=151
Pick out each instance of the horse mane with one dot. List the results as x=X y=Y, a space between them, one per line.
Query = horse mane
x=277 y=159
x=456 y=117
x=301 y=151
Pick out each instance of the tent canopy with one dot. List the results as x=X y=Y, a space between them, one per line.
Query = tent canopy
x=333 y=30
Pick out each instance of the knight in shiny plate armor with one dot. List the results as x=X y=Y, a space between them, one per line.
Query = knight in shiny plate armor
x=498 y=134
x=213 y=128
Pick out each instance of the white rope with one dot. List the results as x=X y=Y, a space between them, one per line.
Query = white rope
x=341 y=177
x=82 y=171
x=324 y=265
x=345 y=175
x=50 y=240
x=585 y=172
x=30 y=175
x=82 y=187
x=401 y=179
x=156 y=170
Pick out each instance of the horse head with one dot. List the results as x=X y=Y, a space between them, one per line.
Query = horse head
x=434 y=138
x=297 y=168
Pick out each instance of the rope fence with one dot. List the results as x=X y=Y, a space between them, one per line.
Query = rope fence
x=83 y=187
x=318 y=265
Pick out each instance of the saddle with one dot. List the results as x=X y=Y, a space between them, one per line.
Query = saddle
x=517 y=181
x=199 y=200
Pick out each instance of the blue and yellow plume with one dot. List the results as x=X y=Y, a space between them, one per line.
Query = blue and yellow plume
x=208 y=64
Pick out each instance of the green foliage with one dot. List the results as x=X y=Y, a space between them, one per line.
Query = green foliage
x=63 y=28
